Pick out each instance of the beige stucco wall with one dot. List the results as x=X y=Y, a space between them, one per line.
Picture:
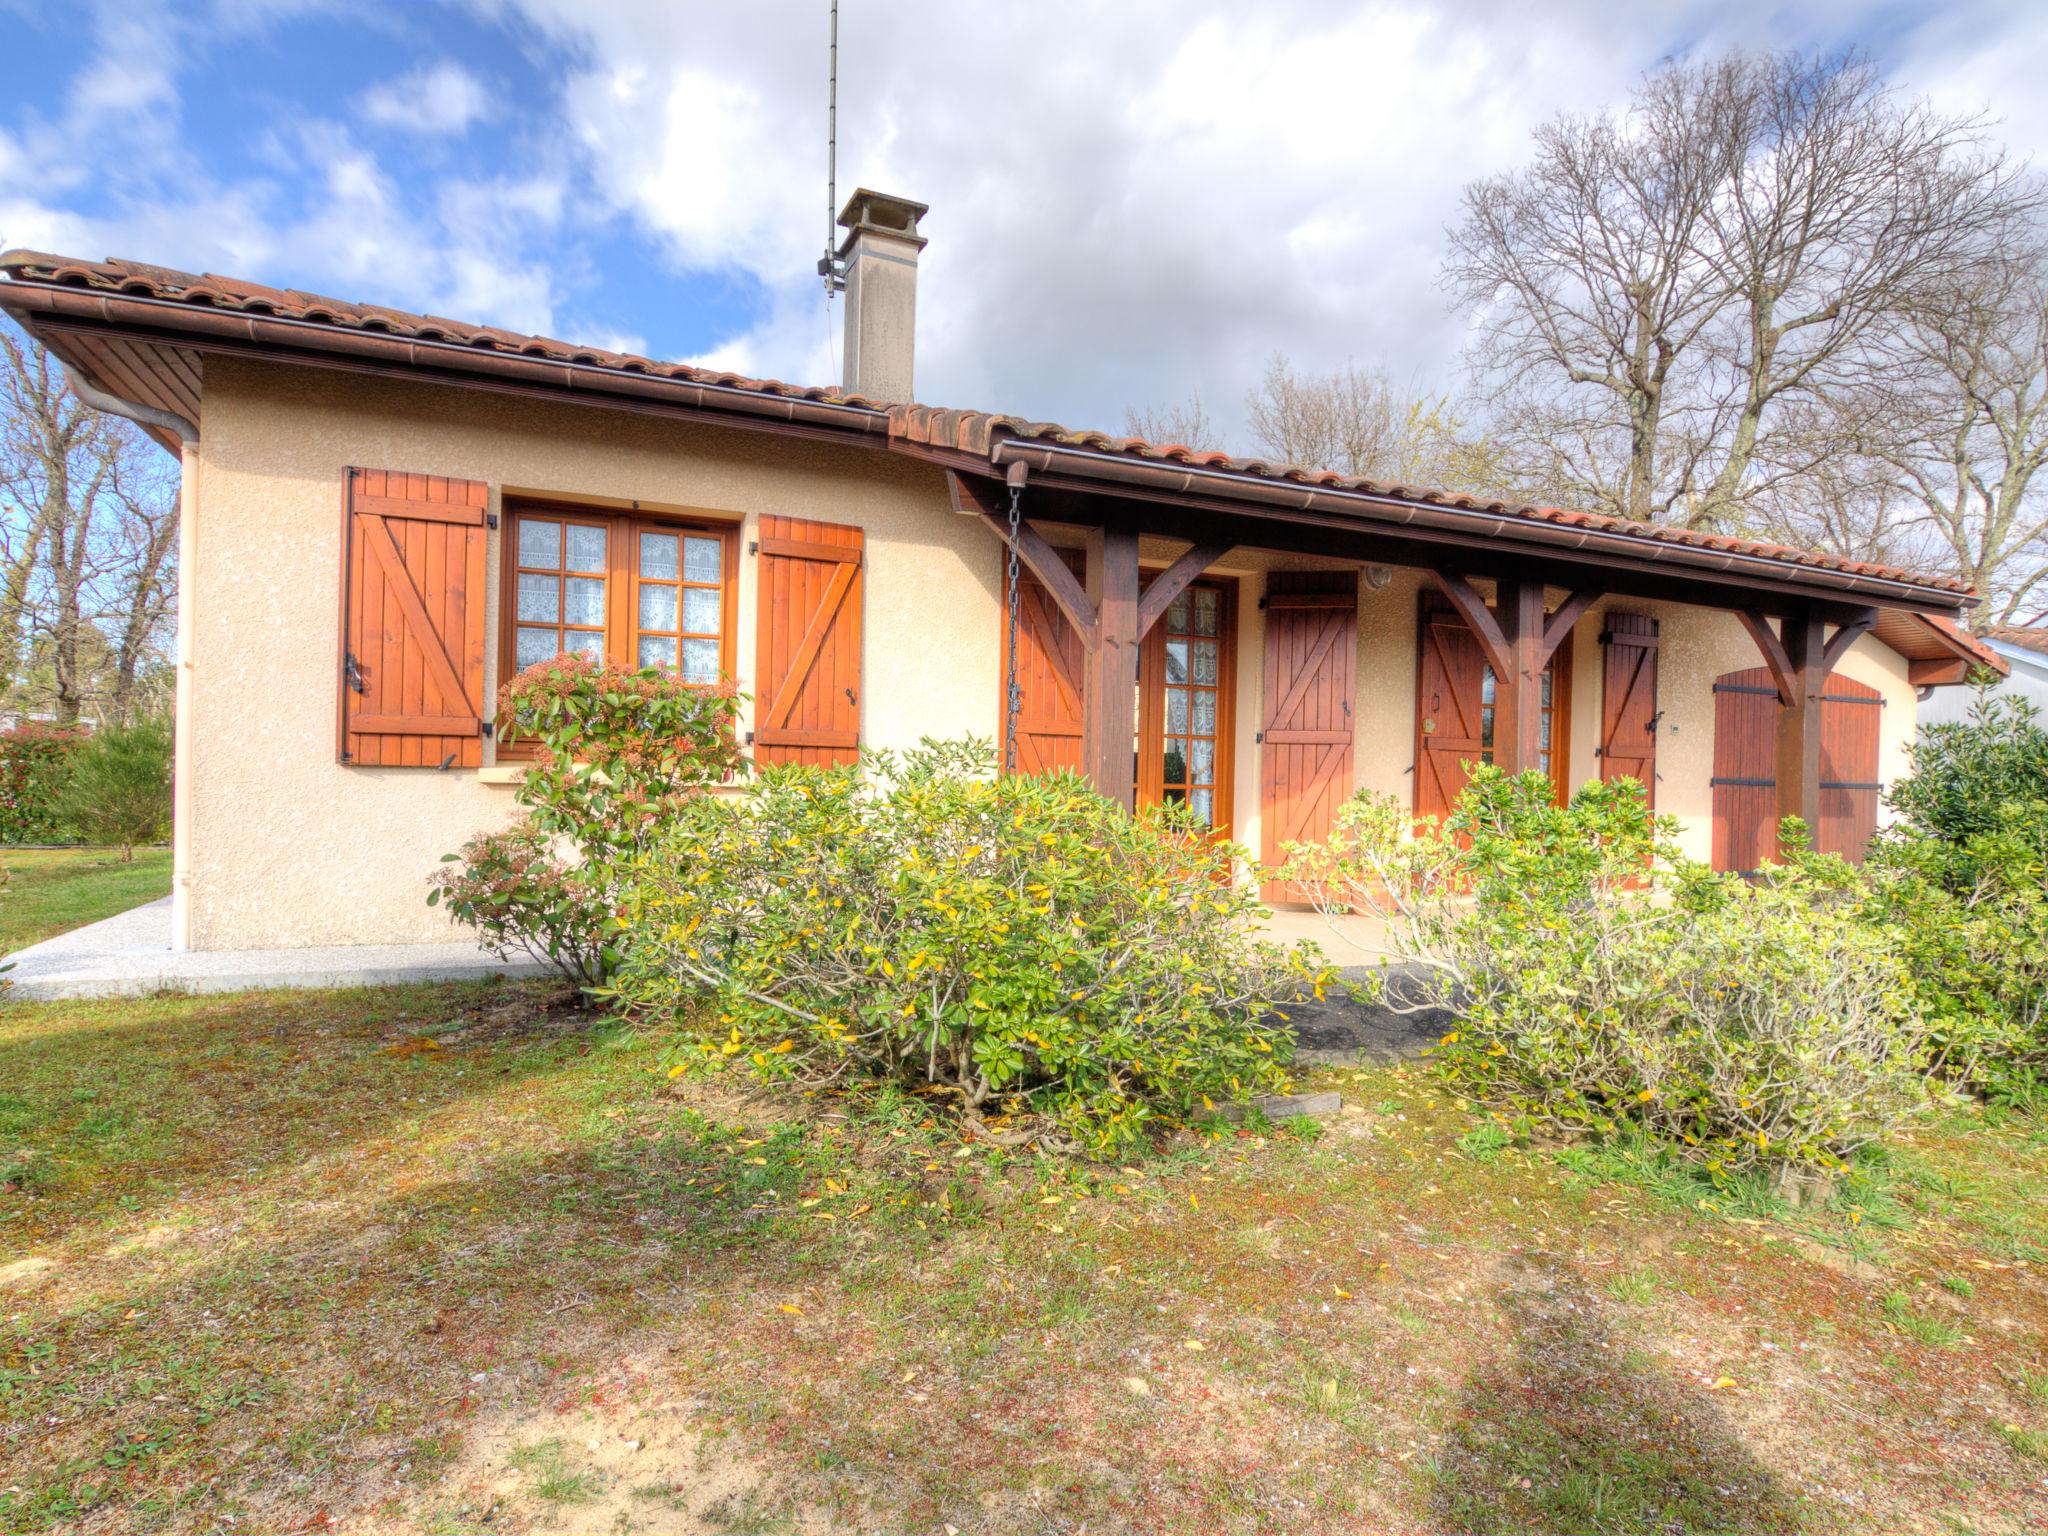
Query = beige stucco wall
x=291 y=848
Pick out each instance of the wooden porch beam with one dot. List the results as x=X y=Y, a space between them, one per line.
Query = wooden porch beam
x=1174 y=580
x=1479 y=618
x=1844 y=637
x=1773 y=649
x=1037 y=556
x=1563 y=619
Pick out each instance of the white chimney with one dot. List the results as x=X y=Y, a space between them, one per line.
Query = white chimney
x=879 y=258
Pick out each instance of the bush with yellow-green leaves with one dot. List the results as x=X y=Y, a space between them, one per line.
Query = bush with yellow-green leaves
x=1067 y=972
x=1602 y=981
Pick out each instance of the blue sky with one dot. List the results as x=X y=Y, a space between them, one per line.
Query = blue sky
x=1129 y=200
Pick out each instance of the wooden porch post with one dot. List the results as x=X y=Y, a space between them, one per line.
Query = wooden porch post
x=1799 y=721
x=1518 y=686
x=1109 y=680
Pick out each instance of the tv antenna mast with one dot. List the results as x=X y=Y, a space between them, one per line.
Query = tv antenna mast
x=829 y=267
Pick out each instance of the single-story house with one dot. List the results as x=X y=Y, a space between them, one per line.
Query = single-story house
x=386 y=514
x=2023 y=649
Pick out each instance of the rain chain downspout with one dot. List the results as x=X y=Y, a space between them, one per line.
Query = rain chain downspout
x=188 y=548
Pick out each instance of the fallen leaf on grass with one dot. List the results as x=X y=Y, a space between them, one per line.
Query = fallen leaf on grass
x=1137 y=1386
x=793 y=1311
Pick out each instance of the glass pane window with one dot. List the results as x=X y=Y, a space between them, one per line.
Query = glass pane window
x=658 y=556
x=586 y=547
x=657 y=606
x=584 y=601
x=557 y=612
x=537 y=645
x=559 y=598
x=1189 y=656
x=701 y=610
x=540 y=598
x=540 y=543
x=700 y=661
x=701 y=559
x=681 y=608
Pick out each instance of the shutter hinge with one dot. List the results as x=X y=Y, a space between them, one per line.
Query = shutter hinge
x=750 y=738
x=490 y=519
x=484 y=729
x=352 y=672
x=753 y=546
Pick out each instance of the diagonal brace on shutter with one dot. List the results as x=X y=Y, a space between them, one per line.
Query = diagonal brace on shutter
x=377 y=540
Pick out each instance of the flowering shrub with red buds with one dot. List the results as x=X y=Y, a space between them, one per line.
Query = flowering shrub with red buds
x=619 y=753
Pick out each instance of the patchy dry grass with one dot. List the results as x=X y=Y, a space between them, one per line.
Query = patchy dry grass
x=459 y=1259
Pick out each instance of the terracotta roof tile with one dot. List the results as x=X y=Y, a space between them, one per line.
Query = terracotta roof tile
x=978 y=432
x=140 y=280
x=971 y=431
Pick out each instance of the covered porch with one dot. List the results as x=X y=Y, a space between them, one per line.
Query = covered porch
x=1262 y=643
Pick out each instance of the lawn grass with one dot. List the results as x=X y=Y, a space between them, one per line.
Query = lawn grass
x=52 y=891
x=462 y=1259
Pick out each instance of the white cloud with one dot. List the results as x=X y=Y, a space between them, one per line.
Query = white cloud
x=438 y=99
x=1129 y=200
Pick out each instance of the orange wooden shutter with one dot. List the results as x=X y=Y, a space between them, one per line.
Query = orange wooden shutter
x=1850 y=713
x=1628 y=701
x=1048 y=676
x=1305 y=753
x=1746 y=769
x=412 y=663
x=807 y=658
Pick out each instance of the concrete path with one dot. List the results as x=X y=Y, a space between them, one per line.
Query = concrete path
x=130 y=956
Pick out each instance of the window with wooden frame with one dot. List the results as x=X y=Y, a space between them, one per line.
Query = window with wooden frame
x=636 y=589
x=1186 y=698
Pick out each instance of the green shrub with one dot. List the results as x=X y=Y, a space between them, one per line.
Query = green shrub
x=117 y=786
x=1960 y=880
x=1604 y=983
x=1964 y=774
x=1020 y=943
x=620 y=754
x=34 y=763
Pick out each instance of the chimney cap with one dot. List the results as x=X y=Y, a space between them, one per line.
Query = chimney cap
x=882 y=213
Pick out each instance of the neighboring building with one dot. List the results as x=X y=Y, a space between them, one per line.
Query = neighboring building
x=2023 y=650
x=386 y=513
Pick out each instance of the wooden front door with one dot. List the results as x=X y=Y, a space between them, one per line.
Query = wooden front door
x=1305 y=738
x=1454 y=710
x=1187 y=673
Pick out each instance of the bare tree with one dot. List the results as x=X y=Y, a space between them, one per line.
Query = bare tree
x=1661 y=290
x=1354 y=421
x=1186 y=424
x=88 y=531
x=1960 y=423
